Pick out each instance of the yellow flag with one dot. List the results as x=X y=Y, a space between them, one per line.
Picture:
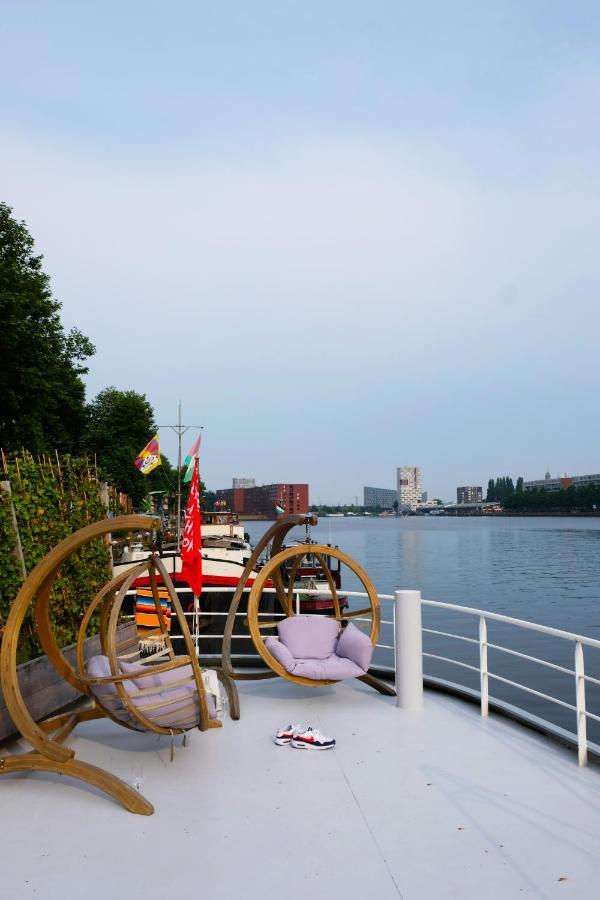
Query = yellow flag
x=149 y=457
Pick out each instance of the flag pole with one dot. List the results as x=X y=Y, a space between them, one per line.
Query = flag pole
x=179 y=430
x=179 y=478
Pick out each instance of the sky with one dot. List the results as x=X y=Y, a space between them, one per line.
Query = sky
x=347 y=236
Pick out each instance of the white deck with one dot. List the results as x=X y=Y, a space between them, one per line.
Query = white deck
x=436 y=804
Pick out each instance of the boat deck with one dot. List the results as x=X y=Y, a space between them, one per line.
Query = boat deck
x=432 y=804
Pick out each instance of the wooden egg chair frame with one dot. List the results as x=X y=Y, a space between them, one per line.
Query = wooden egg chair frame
x=272 y=570
x=47 y=737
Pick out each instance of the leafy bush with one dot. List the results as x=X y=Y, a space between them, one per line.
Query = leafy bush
x=52 y=499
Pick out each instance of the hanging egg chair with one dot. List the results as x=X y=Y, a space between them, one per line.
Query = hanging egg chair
x=311 y=650
x=161 y=694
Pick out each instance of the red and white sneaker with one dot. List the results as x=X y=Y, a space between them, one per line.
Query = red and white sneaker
x=312 y=739
x=286 y=733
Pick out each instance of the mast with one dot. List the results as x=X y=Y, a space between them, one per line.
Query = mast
x=179 y=429
x=179 y=477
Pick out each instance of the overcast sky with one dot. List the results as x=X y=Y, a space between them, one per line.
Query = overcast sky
x=348 y=235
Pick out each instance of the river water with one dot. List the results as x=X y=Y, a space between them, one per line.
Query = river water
x=546 y=570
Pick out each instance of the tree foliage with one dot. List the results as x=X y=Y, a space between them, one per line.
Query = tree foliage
x=119 y=425
x=583 y=499
x=501 y=489
x=42 y=395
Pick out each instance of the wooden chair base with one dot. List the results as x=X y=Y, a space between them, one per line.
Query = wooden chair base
x=383 y=687
x=104 y=781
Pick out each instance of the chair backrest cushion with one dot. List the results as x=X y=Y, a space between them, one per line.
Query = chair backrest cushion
x=354 y=644
x=169 y=705
x=312 y=637
x=99 y=667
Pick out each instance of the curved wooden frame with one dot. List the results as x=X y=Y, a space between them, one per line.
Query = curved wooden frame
x=319 y=550
x=272 y=569
x=276 y=533
x=46 y=738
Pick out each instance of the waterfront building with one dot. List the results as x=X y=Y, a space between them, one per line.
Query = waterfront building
x=243 y=483
x=561 y=483
x=409 y=487
x=381 y=497
x=263 y=500
x=469 y=494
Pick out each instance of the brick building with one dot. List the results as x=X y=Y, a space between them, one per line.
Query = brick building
x=263 y=500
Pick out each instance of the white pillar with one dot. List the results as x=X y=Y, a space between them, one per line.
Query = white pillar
x=408 y=642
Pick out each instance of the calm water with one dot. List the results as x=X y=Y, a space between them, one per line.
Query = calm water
x=543 y=569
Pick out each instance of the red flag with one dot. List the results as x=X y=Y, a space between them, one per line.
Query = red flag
x=191 y=542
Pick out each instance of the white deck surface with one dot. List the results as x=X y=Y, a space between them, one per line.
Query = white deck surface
x=436 y=804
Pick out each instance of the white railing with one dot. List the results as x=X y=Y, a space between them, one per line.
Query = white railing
x=408 y=633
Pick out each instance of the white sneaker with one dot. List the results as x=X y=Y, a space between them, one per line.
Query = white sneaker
x=312 y=739
x=286 y=733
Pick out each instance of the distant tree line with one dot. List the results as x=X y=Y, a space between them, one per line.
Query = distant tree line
x=502 y=489
x=512 y=497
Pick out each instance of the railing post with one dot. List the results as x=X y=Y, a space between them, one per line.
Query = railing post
x=408 y=642
x=483 y=666
x=580 y=702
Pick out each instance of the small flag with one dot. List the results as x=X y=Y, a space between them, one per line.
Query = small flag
x=191 y=542
x=189 y=460
x=149 y=457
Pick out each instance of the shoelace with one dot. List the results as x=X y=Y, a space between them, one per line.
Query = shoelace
x=316 y=734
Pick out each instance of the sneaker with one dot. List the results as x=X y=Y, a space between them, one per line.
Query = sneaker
x=286 y=733
x=312 y=739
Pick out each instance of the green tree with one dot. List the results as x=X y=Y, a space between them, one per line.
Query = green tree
x=119 y=425
x=42 y=395
x=491 y=491
x=208 y=498
x=519 y=487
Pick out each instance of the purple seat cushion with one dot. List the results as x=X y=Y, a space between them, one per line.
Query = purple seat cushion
x=281 y=653
x=99 y=667
x=355 y=645
x=334 y=668
x=174 y=707
x=309 y=637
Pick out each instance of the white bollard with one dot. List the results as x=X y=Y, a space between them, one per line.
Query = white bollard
x=408 y=641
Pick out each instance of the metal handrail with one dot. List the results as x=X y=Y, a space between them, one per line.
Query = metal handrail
x=578 y=671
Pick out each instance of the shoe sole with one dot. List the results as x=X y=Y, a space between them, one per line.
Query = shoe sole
x=281 y=742
x=301 y=745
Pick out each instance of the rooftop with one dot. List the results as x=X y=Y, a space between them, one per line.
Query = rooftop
x=433 y=804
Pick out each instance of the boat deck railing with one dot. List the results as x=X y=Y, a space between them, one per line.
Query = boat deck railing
x=401 y=641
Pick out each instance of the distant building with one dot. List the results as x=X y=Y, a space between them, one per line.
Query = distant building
x=243 y=483
x=409 y=487
x=423 y=496
x=469 y=494
x=265 y=500
x=382 y=497
x=561 y=484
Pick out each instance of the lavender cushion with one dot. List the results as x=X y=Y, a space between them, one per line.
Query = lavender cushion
x=281 y=653
x=355 y=645
x=334 y=668
x=309 y=637
x=163 y=678
x=174 y=707
x=99 y=667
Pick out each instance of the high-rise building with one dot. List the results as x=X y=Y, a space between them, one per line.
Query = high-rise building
x=409 y=487
x=243 y=483
x=469 y=494
x=379 y=497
